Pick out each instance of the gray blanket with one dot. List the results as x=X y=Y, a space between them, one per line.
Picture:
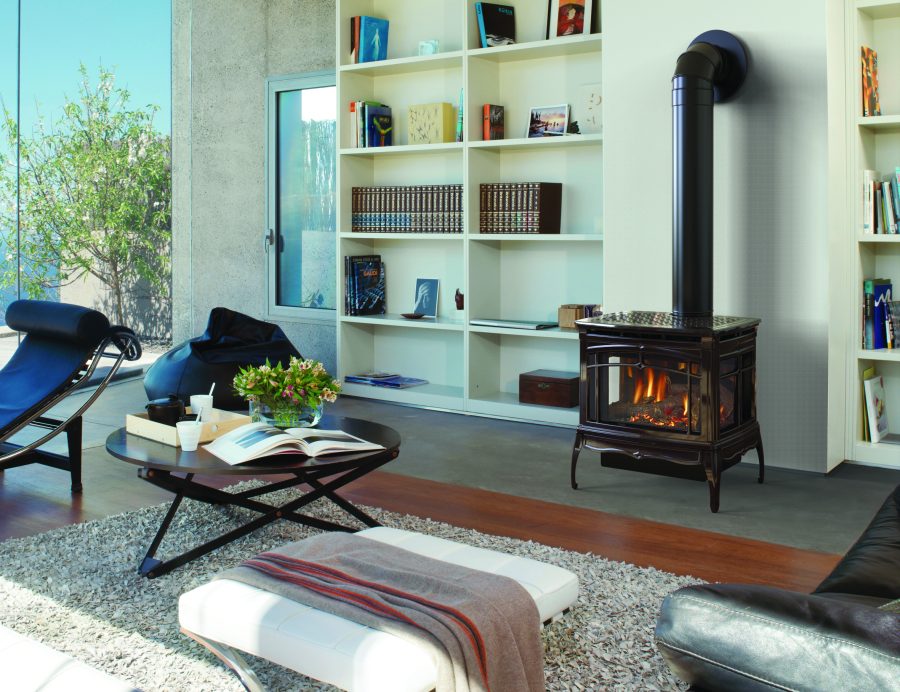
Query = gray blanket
x=482 y=629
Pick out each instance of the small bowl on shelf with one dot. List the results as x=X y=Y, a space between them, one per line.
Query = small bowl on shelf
x=412 y=315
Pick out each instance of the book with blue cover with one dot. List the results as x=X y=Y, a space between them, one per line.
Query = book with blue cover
x=880 y=292
x=373 y=39
x=365 y=285
x=379 y=126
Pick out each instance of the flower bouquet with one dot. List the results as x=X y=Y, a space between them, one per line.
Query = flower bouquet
x=287 y=397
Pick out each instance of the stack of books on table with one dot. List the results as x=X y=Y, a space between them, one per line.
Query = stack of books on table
x=384 y=379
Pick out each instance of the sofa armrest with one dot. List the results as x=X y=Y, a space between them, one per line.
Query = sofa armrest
x=740 y=637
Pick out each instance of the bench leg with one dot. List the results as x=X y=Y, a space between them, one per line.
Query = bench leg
x=231 y=658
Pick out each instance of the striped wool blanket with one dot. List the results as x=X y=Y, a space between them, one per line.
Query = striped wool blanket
x=482 y=629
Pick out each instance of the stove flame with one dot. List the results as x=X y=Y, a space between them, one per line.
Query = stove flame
x=651 y=386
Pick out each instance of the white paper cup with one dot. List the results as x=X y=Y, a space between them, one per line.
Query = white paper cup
x=204 y=400
x=188 y=434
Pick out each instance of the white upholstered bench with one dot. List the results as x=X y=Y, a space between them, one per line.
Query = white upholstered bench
x=29 y=666
x=226 y=615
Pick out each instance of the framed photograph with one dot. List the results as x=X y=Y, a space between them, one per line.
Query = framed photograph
x=548 y=121
x=426 y=302
x=569 y=18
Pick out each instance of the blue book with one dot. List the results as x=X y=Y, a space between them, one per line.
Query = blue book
x=373 y=39
x=880 y=290
x=379 y=126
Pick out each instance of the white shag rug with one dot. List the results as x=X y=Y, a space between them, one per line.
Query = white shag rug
x=77 y=590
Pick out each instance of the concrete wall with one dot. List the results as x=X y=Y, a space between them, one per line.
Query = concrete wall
x=222 y=53
x=770 y=186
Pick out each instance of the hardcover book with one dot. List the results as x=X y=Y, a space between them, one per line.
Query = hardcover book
x=373 y=39
x=496 y=24
x=869 y=63
x=379 y=126
x=877 y=293
x=492 y=122
x=365 y=285
x=876 y=408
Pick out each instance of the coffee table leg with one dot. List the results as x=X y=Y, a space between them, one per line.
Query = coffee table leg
x=343 y=504
x=150 y=563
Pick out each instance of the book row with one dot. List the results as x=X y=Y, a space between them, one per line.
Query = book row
x=520 y=207
x=407 y=209
x=371 y=124
x=364 y=283
x=880 y=314
x=881 y=202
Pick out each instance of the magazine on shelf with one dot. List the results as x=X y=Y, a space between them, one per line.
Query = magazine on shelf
x=514 y=324
x=876 y=408
x=256 y=440
x=391 y=381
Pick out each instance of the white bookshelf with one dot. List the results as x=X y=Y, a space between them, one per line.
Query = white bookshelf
x=471 y=368
x=871 y=143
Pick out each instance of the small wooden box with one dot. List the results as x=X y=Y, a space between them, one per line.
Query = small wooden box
x=215 y=423
x=549 y=388
x=431 y=123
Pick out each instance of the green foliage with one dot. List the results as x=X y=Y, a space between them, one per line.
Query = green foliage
x=95 y=196
x=302 y=382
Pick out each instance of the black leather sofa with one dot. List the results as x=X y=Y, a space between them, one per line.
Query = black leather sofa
x=741 y=637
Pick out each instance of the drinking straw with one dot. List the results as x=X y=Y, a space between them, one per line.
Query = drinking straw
x=199 y=413
x=212 y=388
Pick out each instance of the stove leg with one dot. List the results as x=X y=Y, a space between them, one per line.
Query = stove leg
x=762 y=460
x=576 y=450
x=713 y=480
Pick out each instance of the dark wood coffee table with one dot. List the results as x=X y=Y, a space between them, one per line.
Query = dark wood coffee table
x=174 y=470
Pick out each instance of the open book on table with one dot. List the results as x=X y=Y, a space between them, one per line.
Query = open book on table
x=256 y=440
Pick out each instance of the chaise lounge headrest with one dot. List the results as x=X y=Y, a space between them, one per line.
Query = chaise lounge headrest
x=58 y=321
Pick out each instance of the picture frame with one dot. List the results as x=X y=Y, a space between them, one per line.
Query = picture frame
x=569 y=17
x=426 y=297
x=548 y=121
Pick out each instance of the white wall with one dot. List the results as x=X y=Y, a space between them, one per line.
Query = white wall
x=770 y=192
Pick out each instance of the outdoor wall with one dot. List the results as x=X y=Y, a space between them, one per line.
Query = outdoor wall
x=770 y=192
x=222 y=53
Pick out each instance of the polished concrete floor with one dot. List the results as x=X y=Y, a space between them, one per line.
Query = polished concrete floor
x=798 y=509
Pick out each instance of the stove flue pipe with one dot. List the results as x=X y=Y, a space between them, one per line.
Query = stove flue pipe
x=711 y=70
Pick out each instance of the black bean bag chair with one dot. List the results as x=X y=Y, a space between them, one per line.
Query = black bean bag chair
x=231 y=341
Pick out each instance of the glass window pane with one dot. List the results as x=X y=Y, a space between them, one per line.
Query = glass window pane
x=305 y=198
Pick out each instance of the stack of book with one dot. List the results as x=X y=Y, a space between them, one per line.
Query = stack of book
x=364 y=285
x=371 y=124
x=390 y=380
x=407 y=209
x=881 y=202
x=878 y=328
x=520 y=207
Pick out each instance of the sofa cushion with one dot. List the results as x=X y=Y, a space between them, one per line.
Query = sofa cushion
x=739 y=637
x=872 y=565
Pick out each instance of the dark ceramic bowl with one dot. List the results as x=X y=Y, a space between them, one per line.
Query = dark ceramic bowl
x=413 y=315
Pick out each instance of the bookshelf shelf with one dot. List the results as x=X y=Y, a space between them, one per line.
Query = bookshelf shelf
x=403 y=149
x=879 y=123
x=537 y=143
x=879 y=238
x=523 y=276
x=534 y=50
x=396 y=320
x=371 y=235
x=879 y=9
x=409 y=65
x=882 y=354
x=883 y=454
x=535 y=238
x=553 y=333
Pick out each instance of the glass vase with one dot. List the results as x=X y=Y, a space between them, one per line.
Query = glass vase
x=287 y=415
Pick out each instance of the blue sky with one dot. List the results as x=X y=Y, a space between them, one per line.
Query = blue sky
x=131 y=37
